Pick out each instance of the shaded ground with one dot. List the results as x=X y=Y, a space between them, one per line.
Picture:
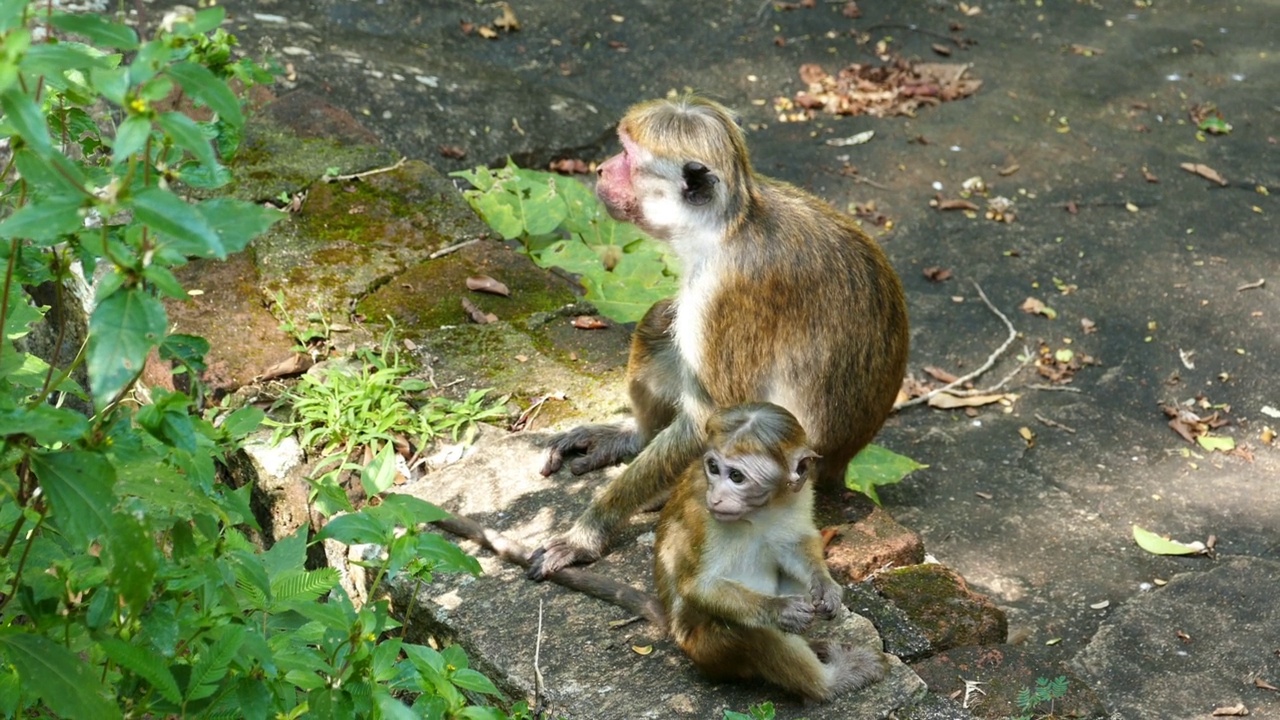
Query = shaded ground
x=1156 y=265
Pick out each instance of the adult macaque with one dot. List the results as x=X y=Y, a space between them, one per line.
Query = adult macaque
x=783 y=299
x=739 y=566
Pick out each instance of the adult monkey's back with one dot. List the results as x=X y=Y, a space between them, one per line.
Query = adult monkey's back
x=783 y=299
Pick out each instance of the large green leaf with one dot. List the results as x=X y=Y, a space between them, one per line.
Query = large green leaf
x=131 y=138
x=237 y=222
x=44 y=221
x=45 y=423
x=66 y=683
x=131 y=558
x=79 y=487
x=380 y=474
x=122 y=330
x=186 y=229
x=878 y=466
x=189 y=136
x=205 y=87
x=147 y=665
x=24 y=115
x=98 y=29
x=356 y=527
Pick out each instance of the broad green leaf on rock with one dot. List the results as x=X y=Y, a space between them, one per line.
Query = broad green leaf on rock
x=569 y=255
x=25 y=116
x=237 y=222
x=1222 y=443
x=79 y=487
x=44 y=222
x=1158 y=545
x=131 y=138
x=187 y=230
x=380 y=474
x=189 y=136
x=45 y=423
x=204 y=86
x=61 y=678
x=122 y=330
x=876 y=465
x=97 y=29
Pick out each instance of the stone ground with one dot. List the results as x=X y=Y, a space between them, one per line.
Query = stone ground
x=1091 y=102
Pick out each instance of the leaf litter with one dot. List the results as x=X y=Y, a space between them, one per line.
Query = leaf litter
x=899 y=87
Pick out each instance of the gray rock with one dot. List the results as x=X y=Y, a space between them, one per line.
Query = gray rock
x=1141 y=666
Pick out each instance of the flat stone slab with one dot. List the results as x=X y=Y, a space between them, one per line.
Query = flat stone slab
x=1142 y=665
x=590 y=669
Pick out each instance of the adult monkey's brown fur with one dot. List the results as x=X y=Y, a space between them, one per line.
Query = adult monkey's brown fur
x=783 y=299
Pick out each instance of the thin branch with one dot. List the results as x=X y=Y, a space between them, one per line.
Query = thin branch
x=1026 y=360
x=366 y=173
x=1054 y=424
x=991 y=360
x=1057 y=388
x=452 y=248
x=537 y=669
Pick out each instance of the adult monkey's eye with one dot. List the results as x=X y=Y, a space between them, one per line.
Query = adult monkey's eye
x=736 y=477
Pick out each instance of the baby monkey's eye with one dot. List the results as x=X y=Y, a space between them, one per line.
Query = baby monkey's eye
x=713 y=467
x=737 y=477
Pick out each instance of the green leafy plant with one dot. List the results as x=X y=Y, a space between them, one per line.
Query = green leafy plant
x=559 y=223
x=763 y=711
x=1030 y=700
x=876 y=465
x=128 y=584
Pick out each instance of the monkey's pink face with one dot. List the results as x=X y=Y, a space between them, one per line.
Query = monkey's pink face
x=615 y=186
x=737 y=488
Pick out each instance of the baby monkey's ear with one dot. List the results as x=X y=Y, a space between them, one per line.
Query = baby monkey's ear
x=802 y=462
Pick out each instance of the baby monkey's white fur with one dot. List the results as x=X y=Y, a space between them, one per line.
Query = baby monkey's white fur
x=738 y=589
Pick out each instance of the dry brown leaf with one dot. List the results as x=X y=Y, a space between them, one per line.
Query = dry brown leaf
x=941 y=49
x=1085 y=50
x=1088 y=326
x=984 y=495
x=955 y=205
x=1149 y=176
x=508 y=20
x=937 y=274
x=1238 y=710
x=1204 y=171
x=851 y=10
x=486 y=284
x=487 y=32
x=453 y=152
x=1008 y=170
x=1035 y=306
x=896 y=88
x=476 y=314
x=940 y=375
x=947 y=401
x=589 y=322
x=1264 y=685
x=296 y=364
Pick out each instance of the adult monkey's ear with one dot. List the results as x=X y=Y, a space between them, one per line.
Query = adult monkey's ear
x=699 y=183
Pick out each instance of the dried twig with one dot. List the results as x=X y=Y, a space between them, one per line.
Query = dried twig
x=1054 y=424
x=991 y=360
x=452 y=248
x=366 y=173
x=1026 y=360
x=1057 y=388
x=538 y=710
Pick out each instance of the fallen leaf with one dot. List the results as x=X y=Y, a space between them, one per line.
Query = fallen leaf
x=1131 y=207
x=487 y=32
x=829 y=535
x=937 y=274
x=1252 y=285
x=589 y=322
x=295 y=364
x=1183 y=636
x=1268 y=435
x=1204 y=171
x=1034 y=306
x=1028 y=435
x=851 y=10
x=1088 y=326
x=1221 y=443
x=955 y=205
x=984 y=495
x=941 y=49
x=1149 y=177
x=1101 y=605
x=486 y=284
x=1008 y=170
x=899 y=87
x=1157 y=545
x=453 y=152
x=1264 y=685
x=476 y=314
x=940 y=375
x=1237 y=710
x=507 y=21
x=642 y=649
x=1085 y=50
x=947 y=401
